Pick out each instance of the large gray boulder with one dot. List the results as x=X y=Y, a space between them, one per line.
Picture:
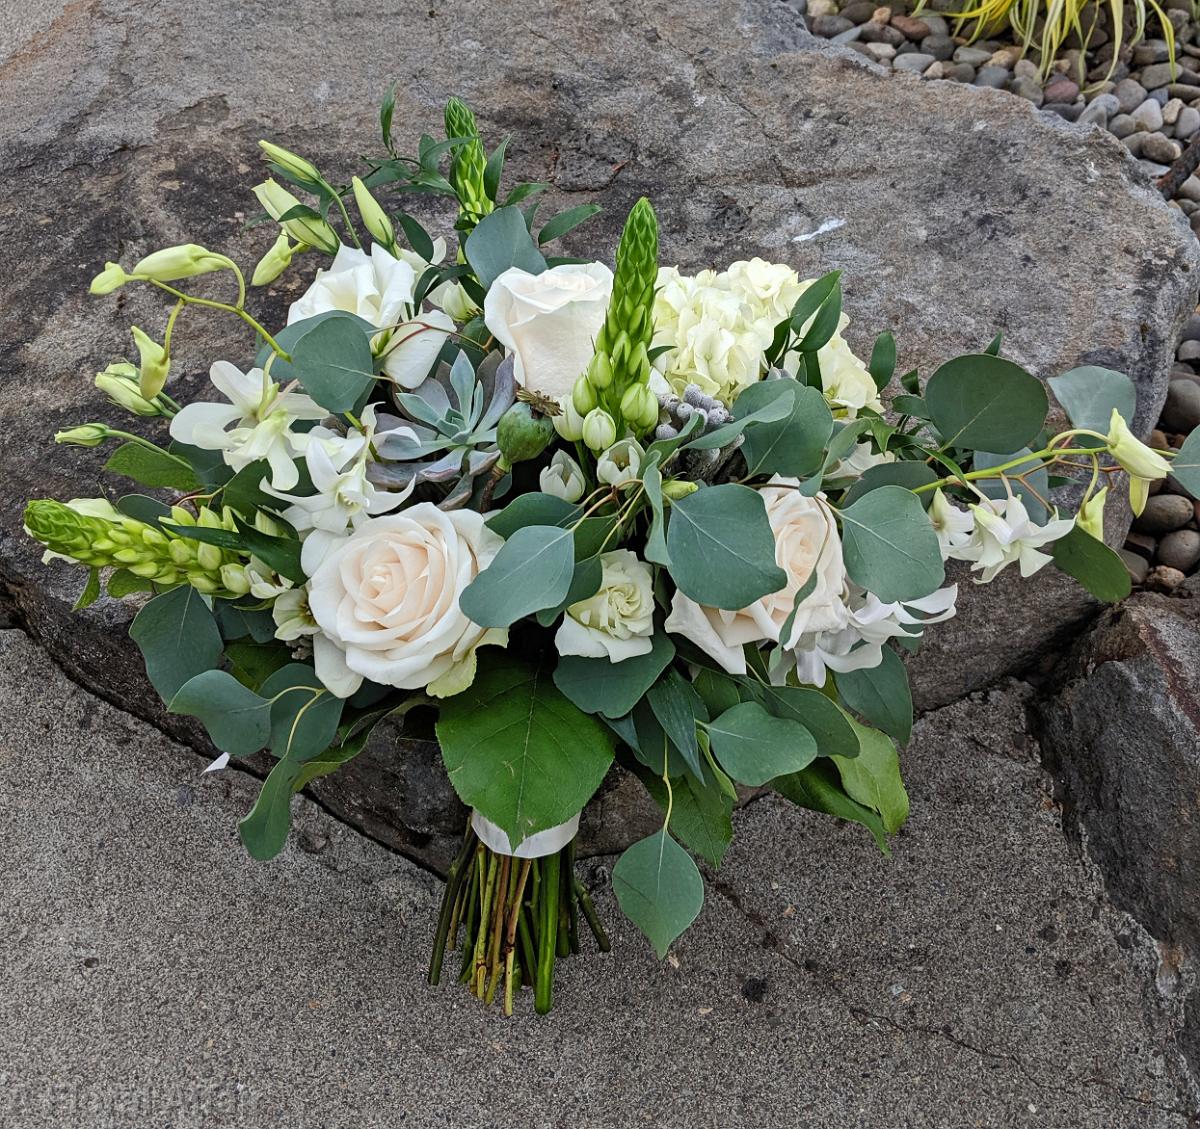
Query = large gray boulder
x=955 y=212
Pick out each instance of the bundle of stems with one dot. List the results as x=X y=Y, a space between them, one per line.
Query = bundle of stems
x=516 y=917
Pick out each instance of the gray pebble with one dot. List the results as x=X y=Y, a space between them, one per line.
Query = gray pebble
x=1190 y=189
x=1189 y=351
x=1099 y=110
x=975 y=56
x=829 y=26
x=1159 y=74
x=1148 y=115
x=1153 y=168
x=845 y=38
x=996 y=77
x=1066 y=110
x=1151 y=51
x=882 y=33
x=1129 y=94
x=880 y=52
x=1181 y=411
x=1187 y=123
x=959 y=72
x=1028 y=88
x=1137 y=566
x=1156 y=147
x=1163 y=514
x=915 y=62
x=1133 y=142
x=939 y=46
x=858 y=11
x=1191 y=328
x=1122 y=126
x=936 y=24
x=1180 y=550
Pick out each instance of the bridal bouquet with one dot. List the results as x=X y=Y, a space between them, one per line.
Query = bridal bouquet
x=566 y=514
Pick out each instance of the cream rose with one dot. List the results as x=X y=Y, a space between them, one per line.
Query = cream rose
x=618 y=621
x=386 y=602
x=806 y=542
x=549 y=322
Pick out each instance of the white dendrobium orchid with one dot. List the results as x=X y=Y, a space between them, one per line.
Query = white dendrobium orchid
x=379 y=288
x=1143 y=464
x=617 y=622
x=1005 y=534
x=261 y=417
x=954 y=527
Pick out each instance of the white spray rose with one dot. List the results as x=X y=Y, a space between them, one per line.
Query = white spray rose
x=386 y=601
x=549 y=322
x=616 y=623
x=806 y=542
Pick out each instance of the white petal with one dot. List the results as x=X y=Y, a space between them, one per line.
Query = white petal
x=331 y=668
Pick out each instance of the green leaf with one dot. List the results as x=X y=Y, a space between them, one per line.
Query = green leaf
x=676 y=706
x=1185 y=467
x=659 y=889
x=492 y=170
x=766 y=402
x=417 y=236
x=722 y=548
x=264 y=830
x=613 y=689
x=237 y=719
x=656 y=539
x=253 y=663
x=1089 y=394
x=152 y=467
x=333 y=363
x=812 y=709
x=280 y=553
x=243 y=492
x=1037 y=481
x=533 y=570
x=986 y=403
x=500 y=241
x=873 y=777
x=819 y=788
x=304 y=715
x=717 y=691
x=883 y=361
x=909 y=475
x=890 y=547
x=824 y=299
x=533 y=509
x=1093 y=564
x=993 y=347
x=881 y=694
x=700 y=813
x=143 y=508
x=386 y=110
x=563 y=222
x=122 y=583
x=754 y=746
x=90 y=593
x=178 y=638
x=793 y=445
x=517 y=750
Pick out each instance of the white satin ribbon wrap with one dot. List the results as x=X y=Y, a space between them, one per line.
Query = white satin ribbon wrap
x=547 y=842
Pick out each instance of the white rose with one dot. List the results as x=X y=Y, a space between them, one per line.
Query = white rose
x=806 y=542
x=386 y=602
x=618 y=621
x=549 y=322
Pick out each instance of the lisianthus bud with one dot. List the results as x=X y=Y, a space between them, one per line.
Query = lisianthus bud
x=583 y=395
x=119 y=382
x=600 y=373
x=290 y=162
x=184 y=261
x=453 y=299
x=312 y=231
x=1142 y=464
x=1091 y=514
x=86 y=435
x=599 y=431
x=563 y=478
x=639 y=406
x=154 y=366
x=569 y=422
x=234 y=577
x=275 y=261
x=111 y=278
x=676 y=488
x=381 y=228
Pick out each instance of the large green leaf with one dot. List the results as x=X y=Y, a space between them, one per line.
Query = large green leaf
x=1185 y=467
x=986 y=403
x=873 y=777
x=1031 y=489
x=656 y=538
x=517 y=750
x=793 y=445
x=909 y=475
x=237 y=719
x=677 y=706
x=819 y=788
x=890 y=547
x=613 y=689
x=333 y=363
x=1089 y=394
x=881 y=694
x=659 y=889
x=1093 y=564
x=754 y=746
x=152 y=466
x=500 y=241
x=304 y=715
x=700 y=813
x=812 y=709
x=533 y=570
x=533 y=508
x=178 y=637
x=769 y=401
x=722 y=548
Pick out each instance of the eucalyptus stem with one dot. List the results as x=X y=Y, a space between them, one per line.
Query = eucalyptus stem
x=998 y=471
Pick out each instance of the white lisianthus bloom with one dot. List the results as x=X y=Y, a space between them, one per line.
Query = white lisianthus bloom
x=563 y=478
x=1004 y=534
x=379 y=288
x=549 y=322
x=869 y=624
x=255 y=424
x=617 y=622
x=621 y=464
x=954 y=527
x=386 y=602
x=806 y=544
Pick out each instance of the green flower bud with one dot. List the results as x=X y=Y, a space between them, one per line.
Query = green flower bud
x=583 y=395
x=1091 y=514
x=1143 y=464
x=154 y=364
x=111 y=278
x=184 y=261
x=376 y=219
x=470 y=165
x=290 y=162
x=676 y=488
x=600 y=372
x=522 y=435
x=312 y=231
x=86 y=435
x=599 y=431
x=119 y=382
x=569 y=422
x=275 y=261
